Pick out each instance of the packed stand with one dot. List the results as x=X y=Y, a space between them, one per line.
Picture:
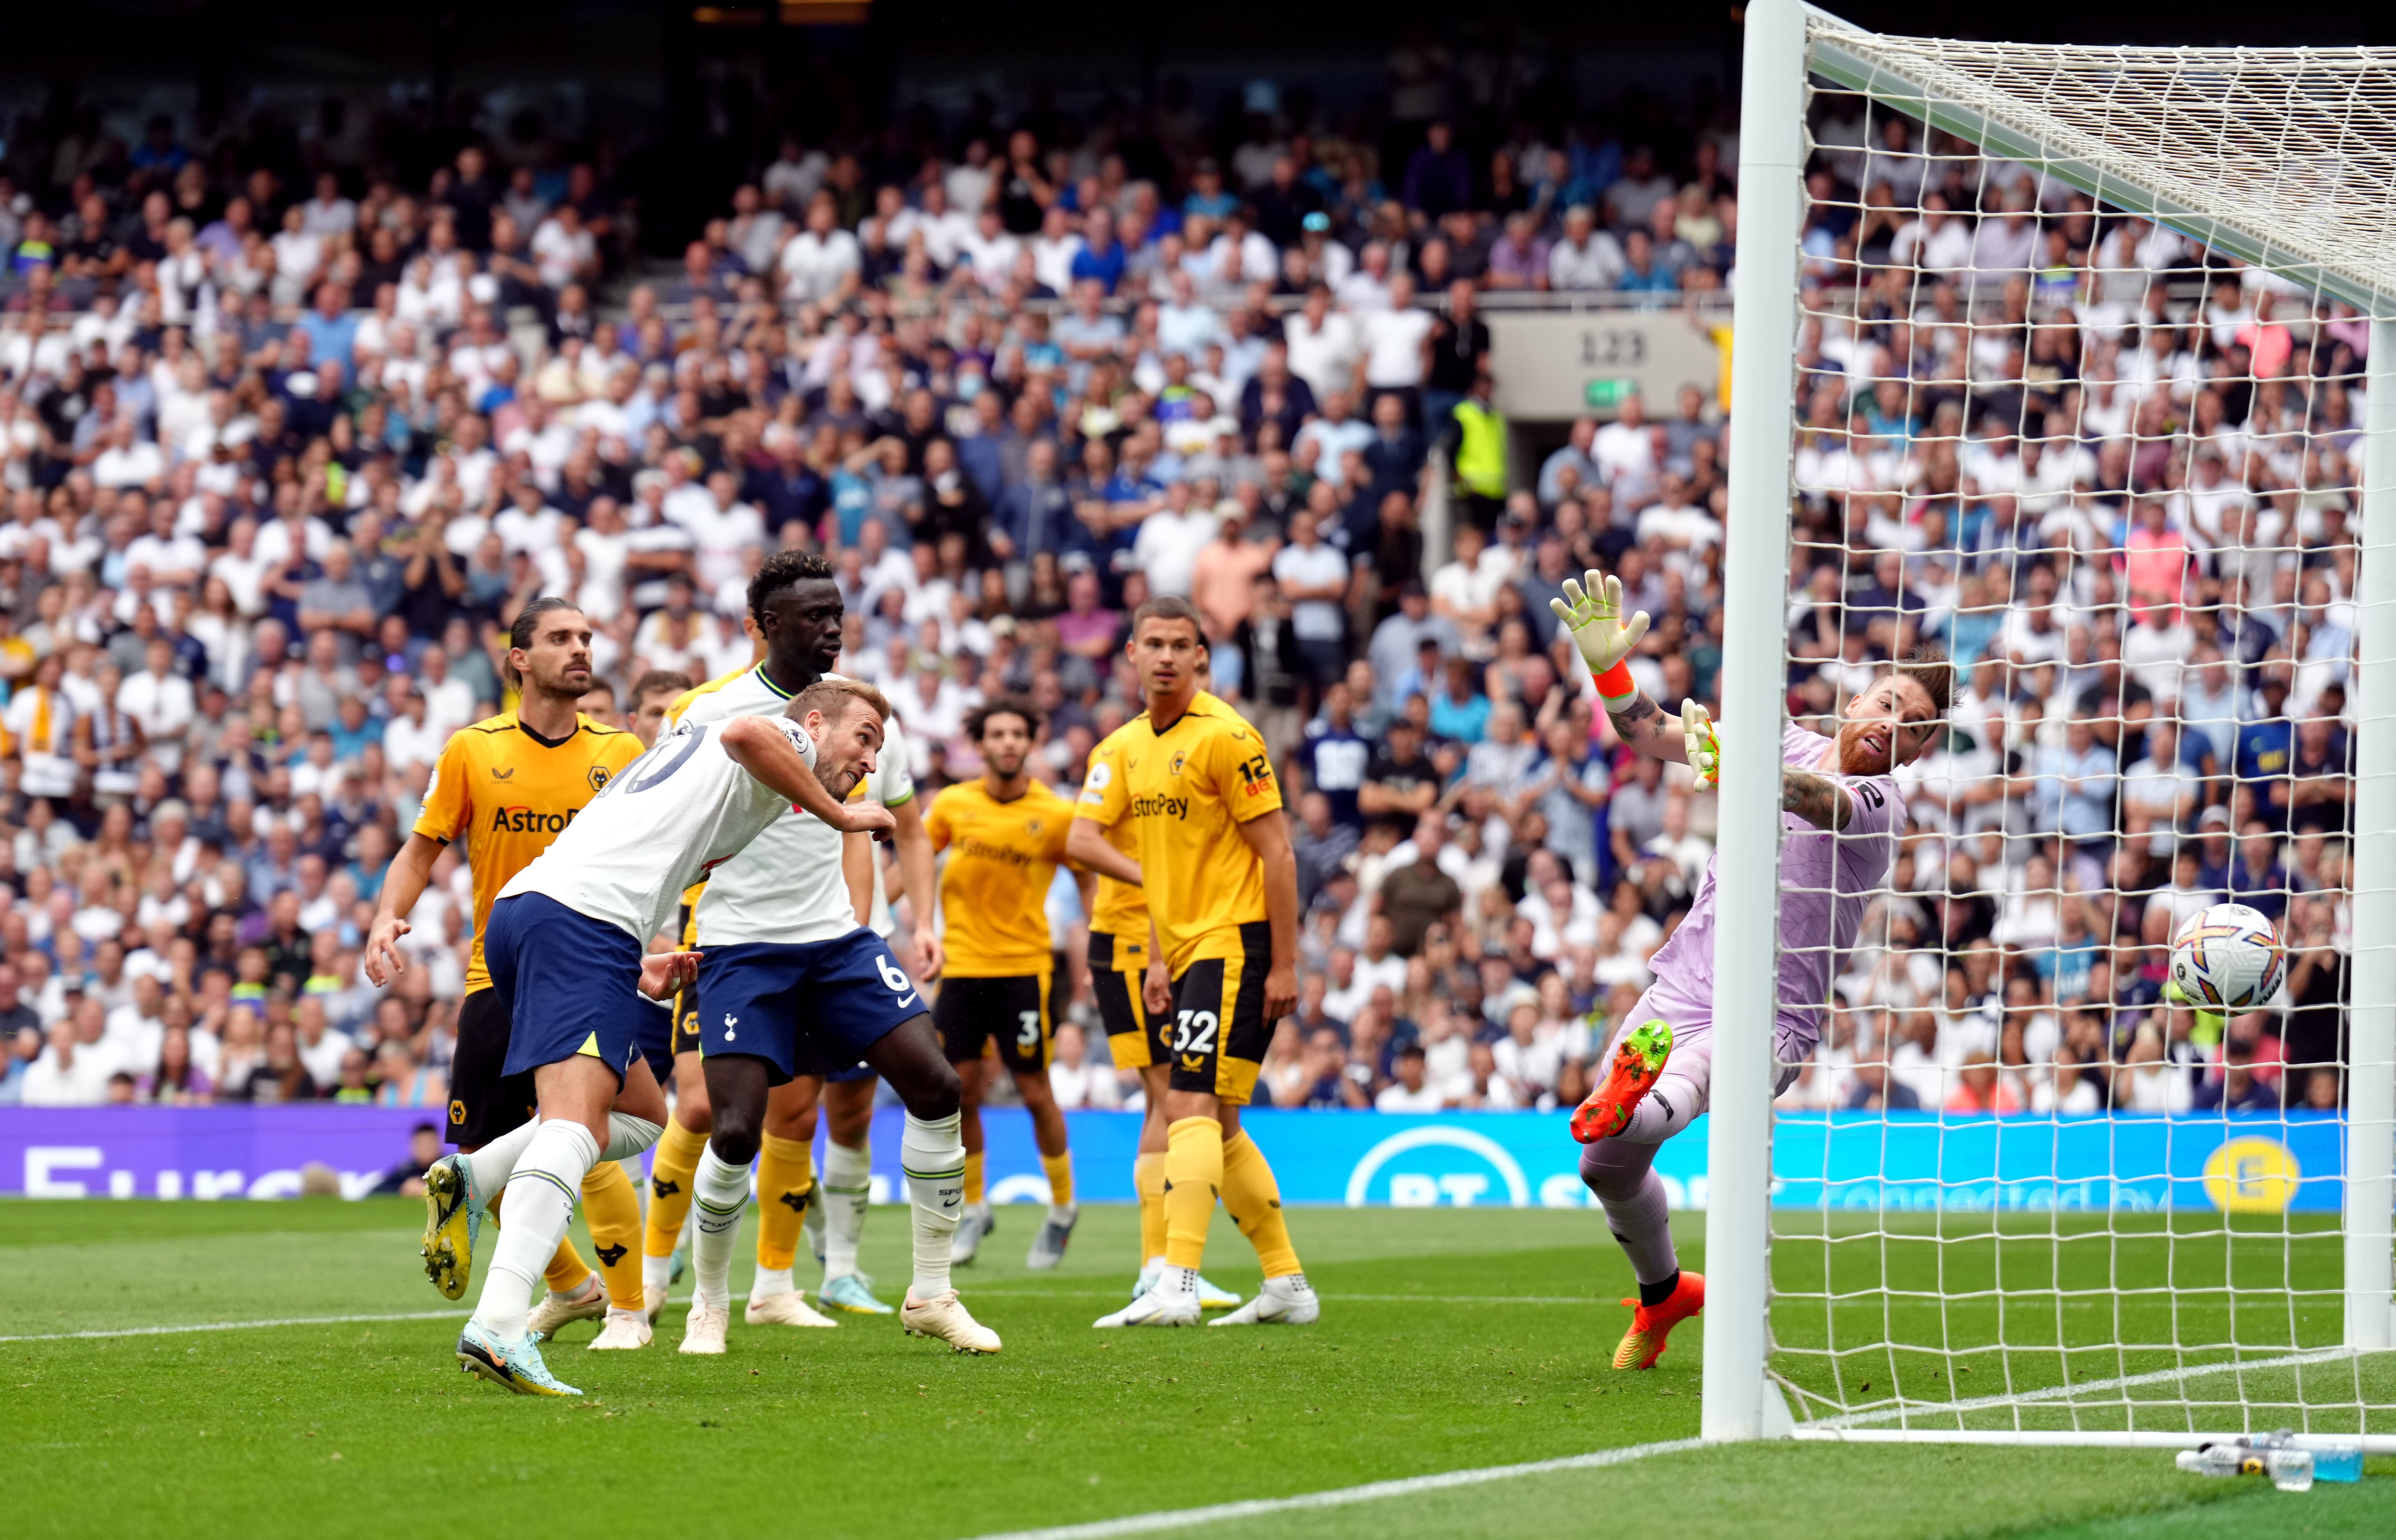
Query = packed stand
x=273 y=497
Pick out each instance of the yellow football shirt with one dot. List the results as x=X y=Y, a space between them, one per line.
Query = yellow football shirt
x=1120 y=909
x=1185 y=791
x=1002 y=855
x=509 y=792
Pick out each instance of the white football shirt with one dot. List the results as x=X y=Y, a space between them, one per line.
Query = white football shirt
x=663 y=823
x=786 y=887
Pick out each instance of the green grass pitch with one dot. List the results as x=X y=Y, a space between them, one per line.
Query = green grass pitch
x=1451 y=1340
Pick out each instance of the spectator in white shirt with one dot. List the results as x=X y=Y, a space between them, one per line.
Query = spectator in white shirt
x=563 y=251
x=71 y=1071
x=1323 y=344
x=161 y=701
x=1623 y=447
x=990 y=251
x=1075 y=1079
x=1409 y=1089
x=1169 y=543
x=328 y=213
x=411 y=737
x=1587 y=258
x=822 y=263
x=1338 y=433
x=1396 y=340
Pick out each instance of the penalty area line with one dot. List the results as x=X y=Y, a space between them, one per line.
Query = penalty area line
x=1173 y=1519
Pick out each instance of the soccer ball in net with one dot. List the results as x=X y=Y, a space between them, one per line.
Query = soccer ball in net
x=2227 y=957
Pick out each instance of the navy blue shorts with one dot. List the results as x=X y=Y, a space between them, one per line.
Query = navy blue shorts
x=653 y=1034
x=809 y=1009
x=572 y=985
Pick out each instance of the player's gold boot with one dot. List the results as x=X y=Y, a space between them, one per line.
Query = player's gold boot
x=453 y=1222
x=1650 y=1324
x=1629 y=1078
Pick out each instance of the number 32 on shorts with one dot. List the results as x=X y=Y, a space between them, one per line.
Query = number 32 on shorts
x=1193 y=1032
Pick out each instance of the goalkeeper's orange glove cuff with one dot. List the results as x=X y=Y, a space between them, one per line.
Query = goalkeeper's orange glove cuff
x=1616 y=688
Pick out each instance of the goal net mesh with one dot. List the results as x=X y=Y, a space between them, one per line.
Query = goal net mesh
x=2112 y=467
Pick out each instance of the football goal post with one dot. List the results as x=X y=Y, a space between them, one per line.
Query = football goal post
x=2076 y=361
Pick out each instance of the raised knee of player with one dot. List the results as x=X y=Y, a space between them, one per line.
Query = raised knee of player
x=1632 y=1071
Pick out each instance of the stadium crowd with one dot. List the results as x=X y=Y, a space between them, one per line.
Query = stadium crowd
x=281 y=462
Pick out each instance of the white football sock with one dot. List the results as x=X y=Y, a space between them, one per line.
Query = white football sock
x=1178 y=1280
x=628 y=1135
x=848 y=1188
x=1622 y=1176
x=933 y=1156
x=768 y=1283
x=539 y=1206
x=488 y=1168
x=1063 y=1214
x=719 y=1191
x=656 y=1276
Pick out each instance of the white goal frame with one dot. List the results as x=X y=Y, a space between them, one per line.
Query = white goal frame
x=2340 y=255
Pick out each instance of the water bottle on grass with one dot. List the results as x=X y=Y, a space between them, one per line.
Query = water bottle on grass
x=2290 y=1469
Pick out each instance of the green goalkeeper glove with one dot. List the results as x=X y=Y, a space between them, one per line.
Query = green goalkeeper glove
x=1593 y=615
x=1702 y=742
x=2209 y=1024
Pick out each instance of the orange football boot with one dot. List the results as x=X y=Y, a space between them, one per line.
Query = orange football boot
x=1629 y=1078
x=1650 y=1324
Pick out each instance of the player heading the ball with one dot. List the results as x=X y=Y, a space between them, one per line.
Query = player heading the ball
x=566 y=948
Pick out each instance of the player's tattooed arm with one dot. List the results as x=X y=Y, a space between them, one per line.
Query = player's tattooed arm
x=1642 y=725
x=1814 y=798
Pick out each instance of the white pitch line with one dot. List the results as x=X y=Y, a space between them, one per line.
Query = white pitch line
x=1172 y=1519
x=2069 y=1392
x=1341 y=1298
x=236 y=1326
x=995 y=1294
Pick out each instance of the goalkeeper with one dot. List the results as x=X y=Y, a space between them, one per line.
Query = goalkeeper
x=1842 y=814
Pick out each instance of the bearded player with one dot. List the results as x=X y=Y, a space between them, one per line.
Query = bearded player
x=1842 y=814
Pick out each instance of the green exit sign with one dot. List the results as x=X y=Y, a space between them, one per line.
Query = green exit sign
x=1605 y=393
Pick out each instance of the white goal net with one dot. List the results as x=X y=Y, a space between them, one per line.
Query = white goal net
x=2077 y=386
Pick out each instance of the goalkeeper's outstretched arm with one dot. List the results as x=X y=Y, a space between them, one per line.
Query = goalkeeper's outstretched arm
x=1642 y=724
x=1605 y=638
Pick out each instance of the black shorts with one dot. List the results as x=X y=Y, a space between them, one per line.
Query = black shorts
x=683 y=1038
x=1117 y=970
x=971 y=1011
x=486 y=1101
x=1218 y=1033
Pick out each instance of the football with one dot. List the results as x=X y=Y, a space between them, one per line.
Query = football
x=2227 y=957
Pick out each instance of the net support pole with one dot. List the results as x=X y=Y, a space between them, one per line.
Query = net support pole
x=1739 y=1136
x=2371 y=1042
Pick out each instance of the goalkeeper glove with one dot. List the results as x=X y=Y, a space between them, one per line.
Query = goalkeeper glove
x=2209 y=1024
x=1594 y=617
x=1702 y=741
